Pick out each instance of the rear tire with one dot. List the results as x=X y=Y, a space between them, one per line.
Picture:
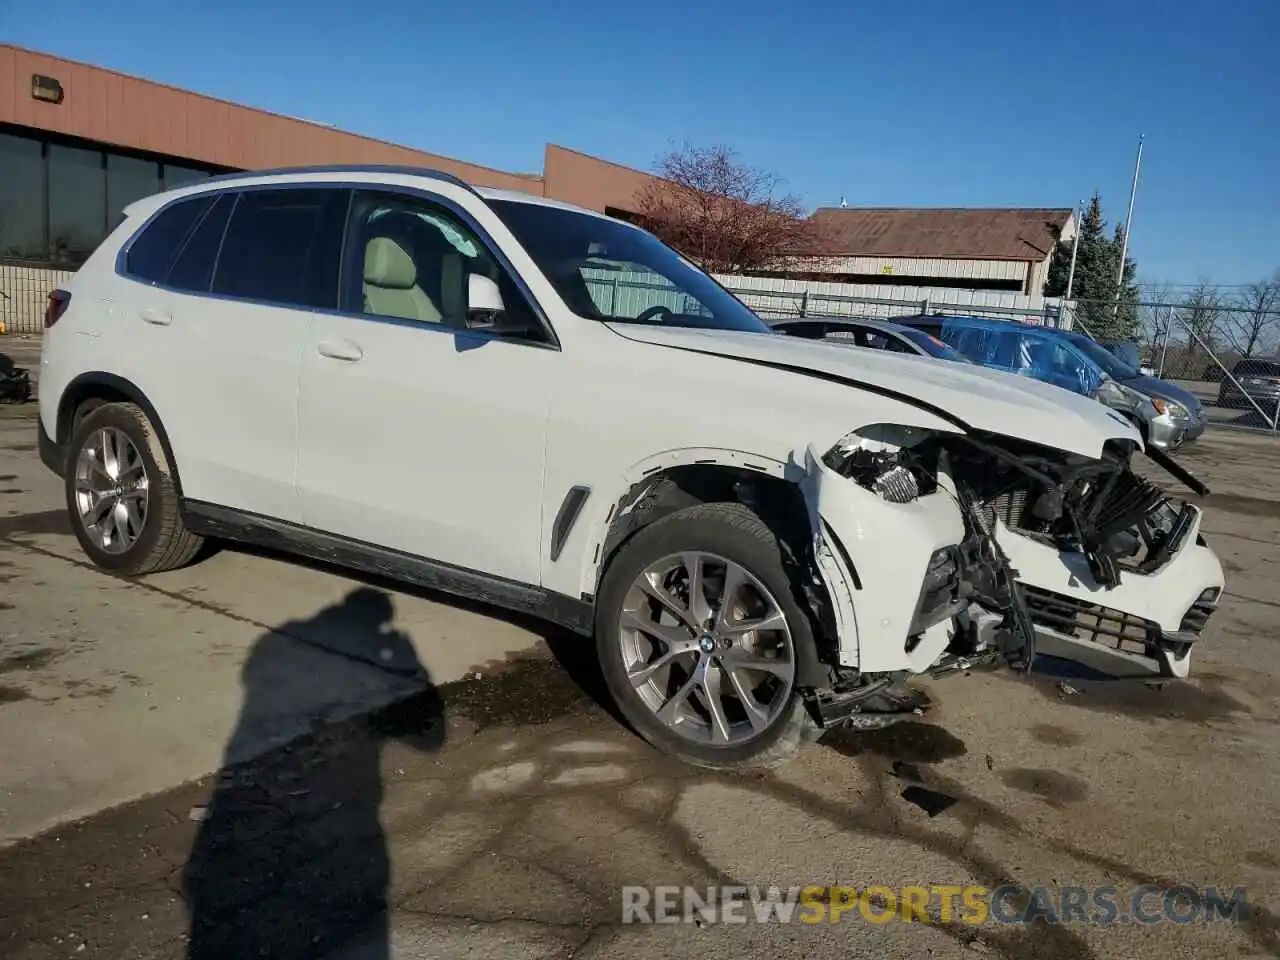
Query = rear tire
x=728 y=536
x=121 y=498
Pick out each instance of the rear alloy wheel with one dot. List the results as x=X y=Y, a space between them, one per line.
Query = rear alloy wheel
x=697 y=638
x=121 y=496
x=111 y=490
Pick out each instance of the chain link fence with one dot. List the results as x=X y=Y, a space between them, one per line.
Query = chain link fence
x=774 y=299
x=24 y=291
x=1227 y=354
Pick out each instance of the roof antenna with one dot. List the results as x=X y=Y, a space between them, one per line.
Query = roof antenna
x=843 y=204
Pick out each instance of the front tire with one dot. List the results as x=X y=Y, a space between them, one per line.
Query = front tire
x=699 y=636
x=124 y=508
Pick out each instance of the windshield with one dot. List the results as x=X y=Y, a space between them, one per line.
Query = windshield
x=1111 y=365
x=933 y=346
x=609 y=271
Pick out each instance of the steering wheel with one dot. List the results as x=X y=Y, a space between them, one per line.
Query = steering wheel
x=655 y=310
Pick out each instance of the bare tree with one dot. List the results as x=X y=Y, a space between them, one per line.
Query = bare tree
x=1197 y=321
x=1257 y=311
x=1155 y=315
x=724 y=215
x=1200 y=314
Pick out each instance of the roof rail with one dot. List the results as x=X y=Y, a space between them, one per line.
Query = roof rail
x=343 y=168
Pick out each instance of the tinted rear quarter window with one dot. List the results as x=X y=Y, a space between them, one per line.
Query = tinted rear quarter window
x=282 y=246
x=155 y=248
x=193 y=268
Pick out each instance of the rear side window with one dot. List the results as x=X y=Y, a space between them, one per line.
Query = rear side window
x=154 y=249
x=193 y=268
x=934 y=329
x=883 y=341
x=856 y=334
x=283 y=246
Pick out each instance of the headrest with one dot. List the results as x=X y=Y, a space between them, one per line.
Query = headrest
x=387 y=264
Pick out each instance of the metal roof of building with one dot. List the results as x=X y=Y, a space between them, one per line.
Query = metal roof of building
x=951 y=233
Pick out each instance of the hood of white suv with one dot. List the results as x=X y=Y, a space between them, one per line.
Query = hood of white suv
x=978 y=398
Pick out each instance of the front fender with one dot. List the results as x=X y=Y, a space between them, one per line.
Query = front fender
x=576 y=569
x=882 y=550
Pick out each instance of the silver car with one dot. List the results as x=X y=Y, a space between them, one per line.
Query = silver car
x=871 y=334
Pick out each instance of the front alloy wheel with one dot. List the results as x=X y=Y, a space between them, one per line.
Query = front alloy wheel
x=707 y=648
x=702 y=641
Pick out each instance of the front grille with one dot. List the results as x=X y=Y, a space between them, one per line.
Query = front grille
x=1090 y=621
x=1125 y=515
x=1011 y=507
x=1122 y=502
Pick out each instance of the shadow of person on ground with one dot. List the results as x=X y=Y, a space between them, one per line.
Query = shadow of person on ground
x=290 y=860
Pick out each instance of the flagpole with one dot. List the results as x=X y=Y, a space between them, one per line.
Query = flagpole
x=1075 y=246
x=1128 y=222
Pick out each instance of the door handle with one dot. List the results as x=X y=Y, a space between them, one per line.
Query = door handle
x=159 y=318
x=339 y=350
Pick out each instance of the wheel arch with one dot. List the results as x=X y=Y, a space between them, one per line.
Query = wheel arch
x=666 y=483
x=89 y=390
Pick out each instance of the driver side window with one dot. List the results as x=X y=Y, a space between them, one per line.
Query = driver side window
x=624 y=290
x=409 y=259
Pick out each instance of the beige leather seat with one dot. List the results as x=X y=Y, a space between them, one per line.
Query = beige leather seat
x=391 y=283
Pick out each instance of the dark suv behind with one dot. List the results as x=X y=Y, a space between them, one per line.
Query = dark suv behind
x=1260 y=380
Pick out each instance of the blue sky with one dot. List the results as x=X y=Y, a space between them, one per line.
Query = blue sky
x=927 y=103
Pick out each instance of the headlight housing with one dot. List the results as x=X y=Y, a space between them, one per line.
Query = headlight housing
x=879 y=437
x=878 y=458
x=1120 y=397
x=1170 y=407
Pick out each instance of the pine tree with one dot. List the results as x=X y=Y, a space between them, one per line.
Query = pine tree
x=1094 y=288
x=1125 y=323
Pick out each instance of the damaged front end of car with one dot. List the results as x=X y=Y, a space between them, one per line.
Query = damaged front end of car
x=1042 y=548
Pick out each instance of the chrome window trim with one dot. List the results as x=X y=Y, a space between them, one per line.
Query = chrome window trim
x=483 y=235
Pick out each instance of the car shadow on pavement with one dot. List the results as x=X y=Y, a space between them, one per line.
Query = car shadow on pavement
x=290 y=859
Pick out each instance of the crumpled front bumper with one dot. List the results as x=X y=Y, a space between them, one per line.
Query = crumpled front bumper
x=874 y=557
x=1146 y=624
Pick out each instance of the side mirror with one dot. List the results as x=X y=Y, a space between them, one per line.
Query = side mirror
x=485 y=307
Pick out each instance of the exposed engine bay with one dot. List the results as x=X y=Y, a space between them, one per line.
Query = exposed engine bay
x=1100 y=510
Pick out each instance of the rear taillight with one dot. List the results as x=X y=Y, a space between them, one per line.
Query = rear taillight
x=57 y=305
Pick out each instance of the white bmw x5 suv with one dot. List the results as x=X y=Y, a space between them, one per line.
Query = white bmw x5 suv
x=515 y=400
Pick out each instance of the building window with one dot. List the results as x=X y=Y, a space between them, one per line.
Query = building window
x=21 y=199
x=77 y=204
x=59 y=198
x=176 y=175
x=128 y=179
